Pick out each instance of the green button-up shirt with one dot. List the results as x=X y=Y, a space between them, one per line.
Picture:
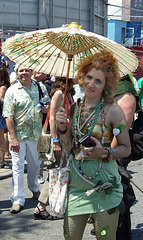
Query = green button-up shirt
x=19 y=104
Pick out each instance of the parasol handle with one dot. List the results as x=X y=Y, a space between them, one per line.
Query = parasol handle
x=65 y=92
x=70 y=56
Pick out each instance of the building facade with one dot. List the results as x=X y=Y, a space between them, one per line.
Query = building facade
x=137 y=10
x=17 y=16
x=133 y=10
x=126 y=10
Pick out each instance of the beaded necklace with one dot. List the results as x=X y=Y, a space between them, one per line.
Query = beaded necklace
x=89 y=130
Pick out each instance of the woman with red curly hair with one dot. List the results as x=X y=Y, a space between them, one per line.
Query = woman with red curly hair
x=95 y=185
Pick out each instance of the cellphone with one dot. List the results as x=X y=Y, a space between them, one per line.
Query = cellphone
x=86 y=141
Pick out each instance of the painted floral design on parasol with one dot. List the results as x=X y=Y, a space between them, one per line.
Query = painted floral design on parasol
x=57 y=51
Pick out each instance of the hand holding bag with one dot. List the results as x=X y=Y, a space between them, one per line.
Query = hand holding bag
x=58 y=187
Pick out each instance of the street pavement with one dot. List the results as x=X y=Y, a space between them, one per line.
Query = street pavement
x=22 y=226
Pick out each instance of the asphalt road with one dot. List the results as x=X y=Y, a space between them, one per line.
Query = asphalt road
x=22 y=226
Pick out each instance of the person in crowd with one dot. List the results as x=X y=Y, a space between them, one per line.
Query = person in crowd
x=95 y=184
x=24 y=126
x=4 y=85
x=126 y=97
x=136 y=85
x=140 y=85
x=57 y=94
x=45 y=79
x=5 y=65
x=13 y=75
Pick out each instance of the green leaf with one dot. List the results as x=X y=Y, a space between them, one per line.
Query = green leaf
x=121 y=127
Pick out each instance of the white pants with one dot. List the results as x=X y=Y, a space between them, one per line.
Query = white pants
x=27 y=151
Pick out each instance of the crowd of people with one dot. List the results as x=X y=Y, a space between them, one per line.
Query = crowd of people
x=104 y=112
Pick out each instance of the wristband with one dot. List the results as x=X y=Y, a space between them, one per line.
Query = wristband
x=62 y=132
x=55 y=140
x=109 y=156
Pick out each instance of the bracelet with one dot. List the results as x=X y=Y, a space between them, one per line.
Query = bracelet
x=55 y=140
x=111 y=153
x=62 y=132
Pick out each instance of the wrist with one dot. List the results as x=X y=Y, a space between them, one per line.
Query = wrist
x=13 y=138
x=62 y=132
x=104 y=153
x=55 y=140
x=111 y=152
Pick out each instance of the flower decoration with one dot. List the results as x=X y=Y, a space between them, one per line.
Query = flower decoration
x=118 y=130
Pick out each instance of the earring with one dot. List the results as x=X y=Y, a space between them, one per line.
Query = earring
x=106 y=91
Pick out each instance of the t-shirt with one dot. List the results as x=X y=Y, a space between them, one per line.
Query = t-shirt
x=140 y=85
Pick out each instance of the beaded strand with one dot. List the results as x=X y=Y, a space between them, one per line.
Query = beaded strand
x=76 y=129
x=102 y=143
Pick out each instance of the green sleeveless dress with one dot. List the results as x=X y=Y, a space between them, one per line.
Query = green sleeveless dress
x=80 y=201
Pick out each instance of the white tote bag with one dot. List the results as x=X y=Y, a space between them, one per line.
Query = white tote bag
x=58 y=187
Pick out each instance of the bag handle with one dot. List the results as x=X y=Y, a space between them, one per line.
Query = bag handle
x=41 y=95
x=46 y=122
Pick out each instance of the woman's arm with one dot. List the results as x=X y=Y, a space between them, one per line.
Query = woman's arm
x=3 y=91
x=115 y=118
x=61 y=119
x=118 y=118
x=128 y=104
x=55 y=104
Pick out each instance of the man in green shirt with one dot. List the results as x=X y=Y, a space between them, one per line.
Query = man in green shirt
x=24 y=126
x=140 y=85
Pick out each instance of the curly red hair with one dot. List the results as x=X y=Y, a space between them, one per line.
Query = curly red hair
x=105 y=61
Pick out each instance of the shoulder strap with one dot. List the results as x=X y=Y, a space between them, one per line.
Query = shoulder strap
x=41 y=95
x=46 y=122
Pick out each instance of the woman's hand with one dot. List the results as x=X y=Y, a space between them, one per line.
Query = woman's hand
x=57 y=148
x=91 y=152
x=61 y=118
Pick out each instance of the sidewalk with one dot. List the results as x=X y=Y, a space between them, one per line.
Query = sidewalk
x=7 y=170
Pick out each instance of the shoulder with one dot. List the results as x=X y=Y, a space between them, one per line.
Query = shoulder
x=2 y=91
x=56 y=100
x=127 y=99
x=12 y=89
x=113 y=110
x=3 y=88
x=74 y=106
x=57 y=97
x=58 y=93
x=140 y=81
